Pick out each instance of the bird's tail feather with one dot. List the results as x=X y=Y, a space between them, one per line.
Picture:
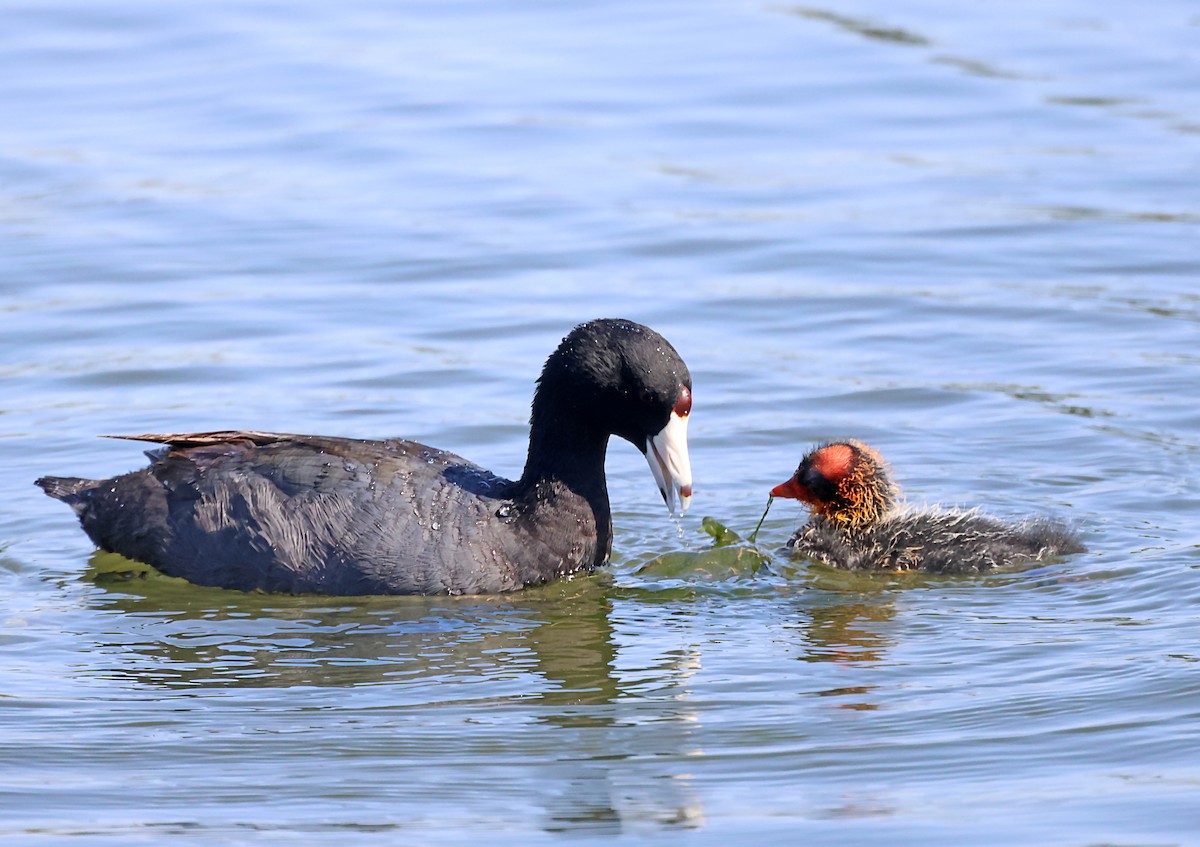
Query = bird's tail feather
x=65 y=488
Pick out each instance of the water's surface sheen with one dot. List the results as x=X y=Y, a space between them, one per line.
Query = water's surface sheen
x=966 y=233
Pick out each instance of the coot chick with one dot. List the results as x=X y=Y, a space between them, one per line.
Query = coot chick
x=315 y=514
x=857 y=525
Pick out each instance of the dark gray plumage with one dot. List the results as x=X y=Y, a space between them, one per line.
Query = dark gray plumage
x=314 y=514
x=856 y=524
x=934 y=542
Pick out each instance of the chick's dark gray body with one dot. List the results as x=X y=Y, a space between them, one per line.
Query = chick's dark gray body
x=934 y=542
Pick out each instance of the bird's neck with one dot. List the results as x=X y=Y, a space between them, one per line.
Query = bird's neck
x=564 y=474
x=567 y=454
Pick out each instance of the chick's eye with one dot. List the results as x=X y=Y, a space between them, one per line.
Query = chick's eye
x=646 y=396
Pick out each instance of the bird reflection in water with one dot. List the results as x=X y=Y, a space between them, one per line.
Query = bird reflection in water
x=525 y=686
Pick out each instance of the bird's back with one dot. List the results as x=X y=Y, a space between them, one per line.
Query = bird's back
x=305 y=514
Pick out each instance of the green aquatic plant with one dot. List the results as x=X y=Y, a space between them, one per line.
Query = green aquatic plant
x=754 y=535
x=729 y=557
x=722 y=535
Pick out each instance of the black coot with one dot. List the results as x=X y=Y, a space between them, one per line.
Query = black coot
x=313 y=514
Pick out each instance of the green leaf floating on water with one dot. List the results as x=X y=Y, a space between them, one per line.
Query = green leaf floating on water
x=729 y=557
x=722 y=535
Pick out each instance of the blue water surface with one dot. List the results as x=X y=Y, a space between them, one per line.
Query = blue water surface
x=968 y=234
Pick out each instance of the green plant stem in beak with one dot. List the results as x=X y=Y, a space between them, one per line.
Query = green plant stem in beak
x=754 y=535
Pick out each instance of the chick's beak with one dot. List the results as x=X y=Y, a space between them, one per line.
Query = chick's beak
x=790 y=489
x=667 y=455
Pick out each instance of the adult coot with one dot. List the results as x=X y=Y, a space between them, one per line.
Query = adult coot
x=314 y=514
x=856 y=524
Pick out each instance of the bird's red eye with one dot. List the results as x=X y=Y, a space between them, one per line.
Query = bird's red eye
x=683 y=406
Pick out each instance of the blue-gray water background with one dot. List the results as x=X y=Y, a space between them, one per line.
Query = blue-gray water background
x=965 y=232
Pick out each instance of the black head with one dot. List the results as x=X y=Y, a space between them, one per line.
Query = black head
x=617 y=377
